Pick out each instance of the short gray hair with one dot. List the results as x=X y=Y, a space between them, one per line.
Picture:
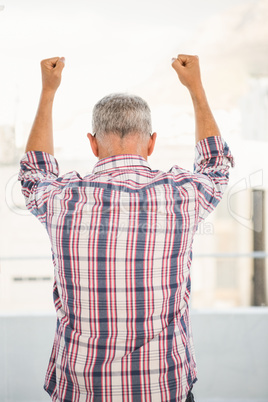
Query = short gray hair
x=121 y=114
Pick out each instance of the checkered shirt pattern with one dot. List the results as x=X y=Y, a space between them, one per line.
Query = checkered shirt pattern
x=121 y=240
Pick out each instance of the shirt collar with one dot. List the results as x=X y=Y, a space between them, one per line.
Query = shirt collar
x=124 y=161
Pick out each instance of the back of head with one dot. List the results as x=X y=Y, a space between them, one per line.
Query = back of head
x=121 y=114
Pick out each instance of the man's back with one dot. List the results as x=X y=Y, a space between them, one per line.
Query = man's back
x=121 y=242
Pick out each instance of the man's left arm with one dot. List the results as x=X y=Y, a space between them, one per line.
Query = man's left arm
x=39 y=169
x=41 y=135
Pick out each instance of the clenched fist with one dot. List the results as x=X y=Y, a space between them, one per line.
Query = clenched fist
x=188 y=70
x=51 y=73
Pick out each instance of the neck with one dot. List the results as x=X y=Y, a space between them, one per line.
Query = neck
x=112 y=144
x=121 y=152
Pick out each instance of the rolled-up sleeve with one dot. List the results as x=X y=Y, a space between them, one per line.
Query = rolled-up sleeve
x=38 y=176
x=213 y=160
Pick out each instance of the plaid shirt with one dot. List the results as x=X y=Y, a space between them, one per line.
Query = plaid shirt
x=121 y=240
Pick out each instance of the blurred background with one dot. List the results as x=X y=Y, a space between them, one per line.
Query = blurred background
x=127 y=46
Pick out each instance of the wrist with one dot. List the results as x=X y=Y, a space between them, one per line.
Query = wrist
x=48 y=94
x=199 y=98
x=198 y=94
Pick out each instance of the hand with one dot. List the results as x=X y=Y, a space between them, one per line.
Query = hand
x=188 y=70
x=51 y=73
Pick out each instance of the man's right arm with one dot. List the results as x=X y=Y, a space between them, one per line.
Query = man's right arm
x=213 y=157
x=188 y=70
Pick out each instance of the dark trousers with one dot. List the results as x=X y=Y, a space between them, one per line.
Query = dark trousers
x=190 y=397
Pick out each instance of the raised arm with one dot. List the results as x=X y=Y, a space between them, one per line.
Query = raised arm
x=188 y=70
x=41 y=135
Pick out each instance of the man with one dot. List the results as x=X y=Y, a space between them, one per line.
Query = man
x=121 y=240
